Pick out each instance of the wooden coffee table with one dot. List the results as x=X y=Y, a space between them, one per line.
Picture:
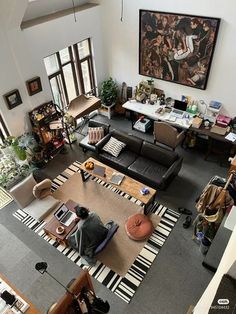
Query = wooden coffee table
x=128 y=185
x=51 y=226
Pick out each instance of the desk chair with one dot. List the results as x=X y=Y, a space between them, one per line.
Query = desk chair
x=218 y=150
x=81 y=106
x=167 y=135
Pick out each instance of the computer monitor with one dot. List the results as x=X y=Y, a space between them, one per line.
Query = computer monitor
x=180 y=105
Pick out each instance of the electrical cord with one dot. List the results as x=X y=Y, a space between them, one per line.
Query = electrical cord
x=122 y=10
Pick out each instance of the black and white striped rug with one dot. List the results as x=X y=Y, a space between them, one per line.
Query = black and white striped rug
x=124 y=287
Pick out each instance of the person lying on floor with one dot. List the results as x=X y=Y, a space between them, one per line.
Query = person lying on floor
x=89 y=234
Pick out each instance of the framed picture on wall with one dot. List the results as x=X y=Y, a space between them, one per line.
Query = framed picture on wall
x=177 y=47
x=13 y=99
x=34 y=85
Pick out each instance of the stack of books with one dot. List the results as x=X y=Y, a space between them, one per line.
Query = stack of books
x=196 y=123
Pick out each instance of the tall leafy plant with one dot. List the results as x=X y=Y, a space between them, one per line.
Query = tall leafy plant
x=109 y=92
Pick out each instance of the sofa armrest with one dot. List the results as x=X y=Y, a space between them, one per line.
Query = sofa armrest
x=102 y=142
x=173 y=170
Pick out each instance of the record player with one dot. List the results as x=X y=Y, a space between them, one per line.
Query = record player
x=142 y=125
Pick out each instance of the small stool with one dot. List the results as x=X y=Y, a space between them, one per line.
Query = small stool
x=139 y=227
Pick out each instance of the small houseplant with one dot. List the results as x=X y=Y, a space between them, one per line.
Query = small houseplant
x=109 y=92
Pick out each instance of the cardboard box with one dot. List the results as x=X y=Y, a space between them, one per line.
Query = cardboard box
x=219 y=130
x=196 y=123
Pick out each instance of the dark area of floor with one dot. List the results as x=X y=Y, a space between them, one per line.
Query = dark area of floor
x=176 y=278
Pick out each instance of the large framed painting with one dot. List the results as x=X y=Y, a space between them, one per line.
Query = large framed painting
x=177 y=47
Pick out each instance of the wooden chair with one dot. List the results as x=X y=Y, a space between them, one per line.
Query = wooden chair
x=167 y=135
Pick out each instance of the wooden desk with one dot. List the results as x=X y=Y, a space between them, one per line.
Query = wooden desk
x=128 y=185
x=32 y=309
x=150 y=112
x=81 y=106
x=53 y=224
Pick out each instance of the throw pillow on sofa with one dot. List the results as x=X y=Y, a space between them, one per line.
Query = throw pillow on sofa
x=114 y=147
x=95 y=135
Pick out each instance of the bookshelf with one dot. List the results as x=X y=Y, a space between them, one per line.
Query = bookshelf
x=47 y=125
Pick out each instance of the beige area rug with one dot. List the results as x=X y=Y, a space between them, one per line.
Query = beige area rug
x=109 y=203
x=121 y=252
x=5 y=198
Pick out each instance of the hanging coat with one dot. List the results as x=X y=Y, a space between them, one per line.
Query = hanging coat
x=214 y=198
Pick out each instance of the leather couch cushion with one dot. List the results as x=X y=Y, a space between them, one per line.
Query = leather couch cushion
x=146 y=168
x=84 y=143
x=94 y=124
x=139 y=227
x=133 y=143
x=125 y=158
x=158 y=154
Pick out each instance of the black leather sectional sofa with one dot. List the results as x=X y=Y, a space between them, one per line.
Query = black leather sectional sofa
x=141 y=160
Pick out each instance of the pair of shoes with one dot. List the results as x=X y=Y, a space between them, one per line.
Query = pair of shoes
x=187 y=222
x=184 y=211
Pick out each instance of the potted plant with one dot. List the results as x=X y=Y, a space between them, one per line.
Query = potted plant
x=6 y=147
x=11 y=172
x=109 y=92
x=19 y=151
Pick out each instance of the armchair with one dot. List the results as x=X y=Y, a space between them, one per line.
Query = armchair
x=33 y=198
x=167 y=135
x=84 y=143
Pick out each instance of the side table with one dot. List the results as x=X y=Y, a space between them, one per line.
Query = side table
x=108 y=110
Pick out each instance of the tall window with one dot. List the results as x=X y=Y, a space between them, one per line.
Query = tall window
x=3 y=130
x=70 y=72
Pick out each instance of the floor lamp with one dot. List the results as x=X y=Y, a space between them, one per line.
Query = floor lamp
x=41 y=267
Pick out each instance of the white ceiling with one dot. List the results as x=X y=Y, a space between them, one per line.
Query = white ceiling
x=38 y=8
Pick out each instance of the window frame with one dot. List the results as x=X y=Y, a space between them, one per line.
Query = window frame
x=76 y=66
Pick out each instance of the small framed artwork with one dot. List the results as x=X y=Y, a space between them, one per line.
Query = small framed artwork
x=13 y=99
x=34 y=85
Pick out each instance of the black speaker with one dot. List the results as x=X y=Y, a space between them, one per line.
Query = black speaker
x=8 y=297
x=129 y=92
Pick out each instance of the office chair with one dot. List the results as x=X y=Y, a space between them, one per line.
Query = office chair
x=167 y=135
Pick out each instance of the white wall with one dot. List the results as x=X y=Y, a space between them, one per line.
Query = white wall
x=116 y=50
x=122 y=45
x=22 y=53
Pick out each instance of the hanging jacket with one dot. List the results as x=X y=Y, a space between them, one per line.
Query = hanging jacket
x=213 y=198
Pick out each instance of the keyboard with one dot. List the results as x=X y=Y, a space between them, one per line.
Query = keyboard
x=177 y=113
